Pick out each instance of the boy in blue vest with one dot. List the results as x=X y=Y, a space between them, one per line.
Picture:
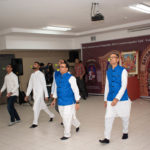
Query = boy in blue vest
x=116 y=98
x=67 y=93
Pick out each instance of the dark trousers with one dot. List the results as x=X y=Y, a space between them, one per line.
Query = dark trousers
x=49 y=91
x=11 y=109
x=82 y=88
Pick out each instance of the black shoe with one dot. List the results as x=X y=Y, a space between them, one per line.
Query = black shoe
x=51 y=119
x=84 y=97
x=62 y=123
x=33 y=126
x=64 y=138
x=105 y=141
x=125 y=136
x=77 y=129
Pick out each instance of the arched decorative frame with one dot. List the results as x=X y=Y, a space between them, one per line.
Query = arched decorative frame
x=144 y=62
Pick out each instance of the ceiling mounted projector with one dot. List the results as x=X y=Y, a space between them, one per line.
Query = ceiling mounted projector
x=95 y=12
x=97 y=17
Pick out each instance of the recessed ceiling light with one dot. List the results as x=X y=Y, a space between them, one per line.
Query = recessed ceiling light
x=141 y=7
x=57 y=28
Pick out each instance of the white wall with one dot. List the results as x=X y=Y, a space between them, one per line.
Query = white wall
x=108 y=36
x=28 y=42
x=60 y=43
x=2 y=43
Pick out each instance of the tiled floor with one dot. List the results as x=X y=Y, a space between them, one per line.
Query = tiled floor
x=91 y=115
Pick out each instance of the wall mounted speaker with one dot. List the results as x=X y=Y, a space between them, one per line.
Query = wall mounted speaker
x=17 y=66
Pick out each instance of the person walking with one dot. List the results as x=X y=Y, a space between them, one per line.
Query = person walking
x=116 y=99
x=37 y=83
x=67 y=94
x=12 y=86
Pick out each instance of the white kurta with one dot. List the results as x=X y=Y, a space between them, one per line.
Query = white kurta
x=68 y=112
x=121 y=109
x=11 y=84
x=37 y=83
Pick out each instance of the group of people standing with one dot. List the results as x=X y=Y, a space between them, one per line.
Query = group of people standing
x=66 y=90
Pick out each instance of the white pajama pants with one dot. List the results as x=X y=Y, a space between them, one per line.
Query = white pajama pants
x=39 y=104
x=68 y=114
x=122 y=110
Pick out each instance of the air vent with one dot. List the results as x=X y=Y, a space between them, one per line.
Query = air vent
x=93 y=38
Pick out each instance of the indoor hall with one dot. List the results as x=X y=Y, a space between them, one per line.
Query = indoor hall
x=91 y=30
x=91 y=115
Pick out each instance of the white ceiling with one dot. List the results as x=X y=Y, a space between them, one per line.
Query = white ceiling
x=29 y=16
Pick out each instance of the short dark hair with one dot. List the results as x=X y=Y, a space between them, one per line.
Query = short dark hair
x=115 y=54
x=36 y=62
x=10 y=65
x=67 y=65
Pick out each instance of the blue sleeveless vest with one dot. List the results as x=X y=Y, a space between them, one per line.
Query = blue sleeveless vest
x=65 y=94
x=114 y=80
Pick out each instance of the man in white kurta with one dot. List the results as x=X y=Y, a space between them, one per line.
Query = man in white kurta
x=67 y=94
x=116 y=98
x=37 y=83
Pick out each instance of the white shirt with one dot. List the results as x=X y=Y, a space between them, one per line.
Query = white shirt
x=124 y=81
x=74 y=88
x=37 y=83
x=53 y=85
x=11 y=84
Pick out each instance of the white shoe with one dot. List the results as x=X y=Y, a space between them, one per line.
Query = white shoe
x=11 y=123
x=17 y=121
